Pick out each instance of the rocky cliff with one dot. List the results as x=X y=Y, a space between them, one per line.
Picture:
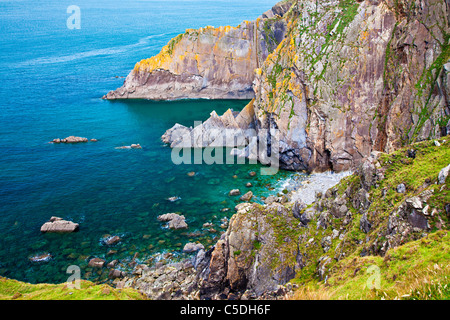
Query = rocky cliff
x=366 y=214
x=356 y=76
x=338 y=79
x=391 y=215
x=214 y=63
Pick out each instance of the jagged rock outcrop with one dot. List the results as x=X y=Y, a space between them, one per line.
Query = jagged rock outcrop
x=232 y=129
x=352 y=77
x=356 y=76
x=242 y=261
x=335 y=80
x=214 y=63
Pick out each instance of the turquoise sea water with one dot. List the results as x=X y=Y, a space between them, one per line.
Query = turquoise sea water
x=53 y=79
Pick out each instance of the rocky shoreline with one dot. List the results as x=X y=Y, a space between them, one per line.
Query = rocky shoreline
x=202 y=275
x=324 y=74
x=266 y=246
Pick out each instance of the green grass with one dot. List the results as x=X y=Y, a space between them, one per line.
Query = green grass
x=17 y=290
x=416 y=270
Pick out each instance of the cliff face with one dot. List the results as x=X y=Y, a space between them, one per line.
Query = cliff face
x=214 y=63
x=365 y=215
x=338 y=79
x=355 y=76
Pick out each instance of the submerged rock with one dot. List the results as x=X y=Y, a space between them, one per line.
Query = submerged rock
x=213 y=63
x=59 y=225
x=43 y=257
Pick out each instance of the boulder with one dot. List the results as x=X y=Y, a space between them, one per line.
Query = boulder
x=234 y=192
x=247 y=197
x=443 y=174
x=70 y=139
x=114 y=274
x=173 y=199
x=111 y=240
x=133 y=146
x=175 y=220
x=96 y=263
x=56 y=224
x=193 y=247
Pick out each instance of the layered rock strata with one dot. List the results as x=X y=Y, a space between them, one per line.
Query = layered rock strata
x=336 y=80
x=213 y=63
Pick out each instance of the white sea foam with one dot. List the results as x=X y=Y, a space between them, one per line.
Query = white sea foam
x=317 y=182
x=88 y=54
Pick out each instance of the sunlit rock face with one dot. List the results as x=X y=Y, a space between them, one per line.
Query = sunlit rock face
x=352 y=77
x=332 y=81
x=213 y=63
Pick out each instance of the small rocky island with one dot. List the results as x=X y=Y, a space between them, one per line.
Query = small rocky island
x=58 y=225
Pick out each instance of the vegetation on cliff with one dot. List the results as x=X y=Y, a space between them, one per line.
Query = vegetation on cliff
x=366 y=240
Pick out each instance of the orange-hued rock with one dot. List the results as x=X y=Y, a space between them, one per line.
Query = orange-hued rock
x=332 y=81
x=213 y=63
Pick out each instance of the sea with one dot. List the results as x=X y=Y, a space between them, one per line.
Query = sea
x=57 y=59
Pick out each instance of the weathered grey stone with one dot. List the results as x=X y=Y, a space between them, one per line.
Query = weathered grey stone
x=193 y=247
x=443 y=174
x=59 y=225
x=401 y=188
x=247 y=197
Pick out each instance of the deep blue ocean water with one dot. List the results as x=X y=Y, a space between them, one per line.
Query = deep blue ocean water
x=52 y=81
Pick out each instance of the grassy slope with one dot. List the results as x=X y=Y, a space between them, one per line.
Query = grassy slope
x=416 y=270
x=12 y=289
